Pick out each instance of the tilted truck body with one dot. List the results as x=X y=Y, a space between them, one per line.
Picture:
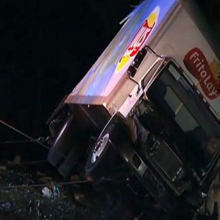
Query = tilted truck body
x=168 y=28
x=157 y=85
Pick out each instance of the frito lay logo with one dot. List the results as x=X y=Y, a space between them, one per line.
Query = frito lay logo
x=139 y=39
x=207 y=74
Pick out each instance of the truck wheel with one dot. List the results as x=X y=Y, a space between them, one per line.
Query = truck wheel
x=117 y=201
x=63 y=142
x=103 y=156
x=72 y=159
x=123 y=211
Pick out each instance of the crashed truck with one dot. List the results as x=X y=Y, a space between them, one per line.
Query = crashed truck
x=147 y=112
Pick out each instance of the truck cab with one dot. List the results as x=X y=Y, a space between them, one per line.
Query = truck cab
x=169 y=140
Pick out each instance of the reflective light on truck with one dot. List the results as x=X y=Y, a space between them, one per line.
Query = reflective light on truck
x=141 y=26
x=139 y=40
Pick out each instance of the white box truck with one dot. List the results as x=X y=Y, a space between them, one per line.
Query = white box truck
x=152 y=102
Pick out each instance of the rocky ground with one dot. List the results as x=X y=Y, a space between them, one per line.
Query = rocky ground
x=30 y=194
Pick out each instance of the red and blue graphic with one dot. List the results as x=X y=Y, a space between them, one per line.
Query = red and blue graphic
x=140 y=28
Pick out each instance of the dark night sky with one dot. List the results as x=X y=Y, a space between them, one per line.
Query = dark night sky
x=46 y=46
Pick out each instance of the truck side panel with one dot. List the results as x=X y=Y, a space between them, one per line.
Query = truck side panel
x=185 y=42
x=142 y=25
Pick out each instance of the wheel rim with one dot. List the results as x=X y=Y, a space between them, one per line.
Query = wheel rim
x=99 y=148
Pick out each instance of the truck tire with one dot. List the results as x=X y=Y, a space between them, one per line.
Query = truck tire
x=63 y=142
x=72 y=159
x=103 y=156
x=115 y=201
x=122 y=211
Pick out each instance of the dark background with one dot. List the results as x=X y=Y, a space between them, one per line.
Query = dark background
x=47 y=46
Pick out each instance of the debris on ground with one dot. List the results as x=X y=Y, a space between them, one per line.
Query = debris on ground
x=22 y=197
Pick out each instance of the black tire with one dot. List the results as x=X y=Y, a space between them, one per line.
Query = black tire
x=122 y=210
x=72 y=159
x=115 y=201
x=103 y=157
x=63 y=142
x=124 y=204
